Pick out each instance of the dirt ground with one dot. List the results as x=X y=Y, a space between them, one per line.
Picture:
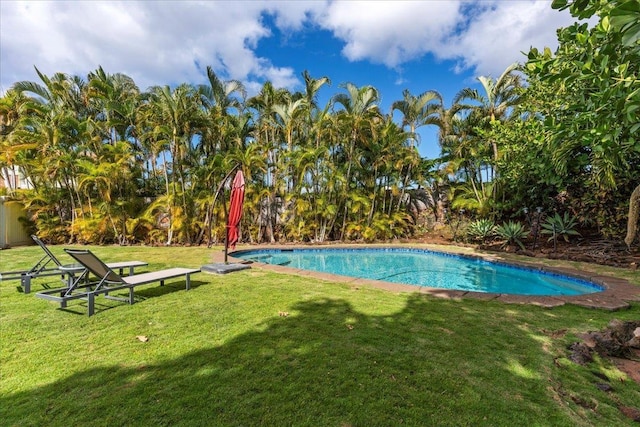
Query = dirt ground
x=584 y=249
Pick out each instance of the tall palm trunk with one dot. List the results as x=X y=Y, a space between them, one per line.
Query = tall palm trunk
x=634 y=216
x=352 y=146
x=168 y=192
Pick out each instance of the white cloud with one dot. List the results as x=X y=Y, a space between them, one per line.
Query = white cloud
x=153 y=42
x=484 y=35
x=500 y=32
x=171 y=42
x=291 y=15
x=390 y=32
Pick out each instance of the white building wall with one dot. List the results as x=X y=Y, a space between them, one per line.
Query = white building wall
x=12 y=233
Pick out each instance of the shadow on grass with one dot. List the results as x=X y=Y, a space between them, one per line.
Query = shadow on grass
x=324 y=364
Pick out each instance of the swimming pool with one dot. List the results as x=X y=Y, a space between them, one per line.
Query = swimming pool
x=425 y=268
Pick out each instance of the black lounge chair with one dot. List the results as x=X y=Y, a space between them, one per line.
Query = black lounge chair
x=49 y=265
x=108 y=281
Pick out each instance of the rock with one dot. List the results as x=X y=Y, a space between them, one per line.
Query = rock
x=633 y=266
x=634 y=342
x=604 y=386
x=630 y=412
x=580 y=353
x=616 y=325
x=624 y=330
x=607 y=343
x=589 y=339
x=617 y=340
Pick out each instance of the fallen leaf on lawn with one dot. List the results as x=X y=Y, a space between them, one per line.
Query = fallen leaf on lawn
x=142 y=338
x=350 y=327
x=283 y=314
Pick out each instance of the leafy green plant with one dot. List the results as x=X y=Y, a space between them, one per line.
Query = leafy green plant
x=512 y=232
x=481 y=230
x=557 y=225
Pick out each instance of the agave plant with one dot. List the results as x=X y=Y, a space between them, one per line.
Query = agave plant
x=481 y=229
x=512 y=232
x=557 y=225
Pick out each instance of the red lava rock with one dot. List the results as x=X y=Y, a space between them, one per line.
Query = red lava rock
x=630 y=412
x=617 y=342
x=580 y=353
x=604 y=386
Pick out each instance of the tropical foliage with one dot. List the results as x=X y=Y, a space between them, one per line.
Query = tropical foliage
x=512 y=232
x=560 y=226
x=108 y=162
x=594 y=117
x=481 y=230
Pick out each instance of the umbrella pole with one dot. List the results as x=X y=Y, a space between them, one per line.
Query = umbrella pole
x=226 y=230
x=226 y=247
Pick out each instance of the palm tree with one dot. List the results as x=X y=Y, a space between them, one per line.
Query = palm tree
x=493 y=105
x=222 y=95
x=467 y=158
x=312 y=87
x=267 y=137
x=356 y=120
x=497 y=100
x=115 y=98
x=387 y=158
x=418 y=110
x=54 y=120
x=221 y=100
x=288 y=113
x=177 y=118
x=110 y=178
x=11 y=145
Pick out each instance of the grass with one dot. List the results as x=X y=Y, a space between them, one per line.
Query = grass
x=261 y=348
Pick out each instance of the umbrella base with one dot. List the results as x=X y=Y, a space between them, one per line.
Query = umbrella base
x=221 y=268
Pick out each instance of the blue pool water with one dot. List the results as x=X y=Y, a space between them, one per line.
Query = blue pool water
x=420 y=267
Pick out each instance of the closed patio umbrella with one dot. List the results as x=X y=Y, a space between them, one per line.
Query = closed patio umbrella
x=235 y=212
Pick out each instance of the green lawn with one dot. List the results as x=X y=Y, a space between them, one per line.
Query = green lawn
x=225 y=353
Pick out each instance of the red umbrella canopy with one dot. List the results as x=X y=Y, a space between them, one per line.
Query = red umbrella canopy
x=235 y=209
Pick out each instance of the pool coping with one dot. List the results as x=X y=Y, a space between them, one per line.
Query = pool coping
x=617 y=293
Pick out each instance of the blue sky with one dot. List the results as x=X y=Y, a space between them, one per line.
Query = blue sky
x=417 y=45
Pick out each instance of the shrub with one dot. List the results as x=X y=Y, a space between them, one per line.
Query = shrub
x=512 y=233
x=481 y=229
x=560 y=226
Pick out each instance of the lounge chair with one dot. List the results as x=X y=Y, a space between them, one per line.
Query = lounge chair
x=49 y=265
x=109 y=281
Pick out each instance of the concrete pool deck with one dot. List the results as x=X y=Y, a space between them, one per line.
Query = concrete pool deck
x=617 y=295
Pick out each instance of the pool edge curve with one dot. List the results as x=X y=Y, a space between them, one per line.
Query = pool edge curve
x=616 y=295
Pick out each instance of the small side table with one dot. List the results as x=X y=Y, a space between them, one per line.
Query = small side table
x=73 y=270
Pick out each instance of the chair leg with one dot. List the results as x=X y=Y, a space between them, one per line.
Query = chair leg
x=63 y=301
x=25 y=281
x=90 y=301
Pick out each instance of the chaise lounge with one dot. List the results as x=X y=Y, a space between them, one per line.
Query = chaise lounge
x=41 y=269
x=108 y=281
